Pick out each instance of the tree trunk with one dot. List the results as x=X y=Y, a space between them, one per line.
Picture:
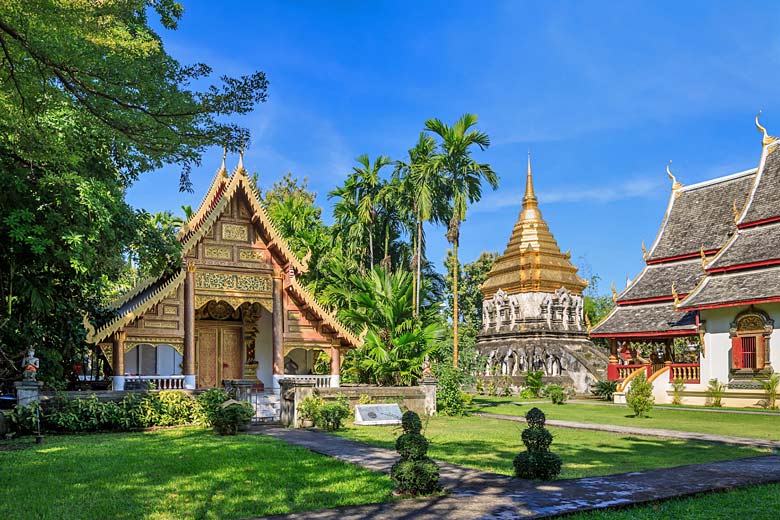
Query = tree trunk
x=414 y=280
x=456 y=268
x=419 y=270
x=371 y=247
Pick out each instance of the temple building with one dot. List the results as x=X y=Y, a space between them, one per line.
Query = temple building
x=712 y=277
x=235 y=310
x=532 y=317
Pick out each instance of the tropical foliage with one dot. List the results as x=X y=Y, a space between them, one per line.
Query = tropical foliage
x=89 y=101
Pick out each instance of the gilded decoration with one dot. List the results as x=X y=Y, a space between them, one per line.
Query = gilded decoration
x=252 y=255
x=217 y=310
x=161 y=324
x=750 y=323
x=220 y=253
x=235 y=232
x=171 y=310
x=233 y=282
x=234 y=301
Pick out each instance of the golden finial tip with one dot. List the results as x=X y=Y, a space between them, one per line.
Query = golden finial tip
x=767 y=139
x=676 y=185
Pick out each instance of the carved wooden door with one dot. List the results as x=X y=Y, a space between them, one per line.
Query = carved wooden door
x=232 y=364
x=208 y=341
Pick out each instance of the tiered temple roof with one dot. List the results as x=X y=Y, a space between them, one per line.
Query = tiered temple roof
x=532 y=261
x=698 y=220
x=746 y=270
x=223 y=189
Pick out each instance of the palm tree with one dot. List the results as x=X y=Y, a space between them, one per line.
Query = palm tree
x=420 y=192
x=463 y=183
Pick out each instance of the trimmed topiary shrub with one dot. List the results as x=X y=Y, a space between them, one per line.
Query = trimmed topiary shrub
x=640 y=396
x=414 y=473
x=537 y=462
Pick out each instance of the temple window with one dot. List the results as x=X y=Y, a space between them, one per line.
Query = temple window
x=749 y=340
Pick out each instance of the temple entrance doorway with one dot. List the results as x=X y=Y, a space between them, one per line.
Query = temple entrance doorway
x=219 y=353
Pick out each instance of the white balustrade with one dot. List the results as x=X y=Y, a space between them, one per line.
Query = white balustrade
x=160 y=382
x=319 y=381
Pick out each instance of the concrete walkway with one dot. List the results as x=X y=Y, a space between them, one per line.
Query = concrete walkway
x=475 y=494
x=649 y=432
x=598 y=402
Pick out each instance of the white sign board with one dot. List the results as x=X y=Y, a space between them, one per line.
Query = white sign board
x=377 y=414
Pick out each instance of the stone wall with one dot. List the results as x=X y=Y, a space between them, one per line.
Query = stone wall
x=408 y=397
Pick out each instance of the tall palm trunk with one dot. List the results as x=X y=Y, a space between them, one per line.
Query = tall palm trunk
x=419 y=269
x=371 y=247
x=455 y=304
x=414 y=280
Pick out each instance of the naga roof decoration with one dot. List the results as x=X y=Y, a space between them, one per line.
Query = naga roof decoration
x=152 y=291
x=646 y=307
x=532 y=261
x=745 y=270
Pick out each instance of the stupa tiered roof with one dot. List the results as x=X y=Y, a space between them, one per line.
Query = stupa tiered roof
x=532 y=261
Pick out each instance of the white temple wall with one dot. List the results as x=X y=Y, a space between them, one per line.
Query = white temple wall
x=264 y=354
x=717 y=362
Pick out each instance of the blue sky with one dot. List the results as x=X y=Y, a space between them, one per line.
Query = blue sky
x=603 y=94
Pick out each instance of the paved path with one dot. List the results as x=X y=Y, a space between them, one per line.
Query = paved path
x=649 y=432
x=598 y=402
x=481 y=495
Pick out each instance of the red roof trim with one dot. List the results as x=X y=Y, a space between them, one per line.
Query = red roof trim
x=686 y=256
x=664 y=334
x=759 y=222
x=733 y=304
x=750 y=265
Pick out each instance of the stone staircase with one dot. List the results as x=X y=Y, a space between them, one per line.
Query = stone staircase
x=267 y=405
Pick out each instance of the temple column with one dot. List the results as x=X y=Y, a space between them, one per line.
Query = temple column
x=612 y=367
x=278 y=328
x=335 y=366
x=118 y=360
x=189 y=328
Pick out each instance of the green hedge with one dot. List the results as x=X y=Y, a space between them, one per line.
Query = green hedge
x=136 y=410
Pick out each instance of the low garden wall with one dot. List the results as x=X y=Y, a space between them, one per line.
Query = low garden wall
x=407 y=397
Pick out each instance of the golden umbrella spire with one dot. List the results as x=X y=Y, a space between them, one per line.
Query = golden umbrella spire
x=530 y=211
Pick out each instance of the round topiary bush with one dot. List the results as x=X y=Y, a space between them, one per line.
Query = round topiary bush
x=414 y=473
x=537 y=462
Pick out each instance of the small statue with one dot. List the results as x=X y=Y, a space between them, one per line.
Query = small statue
x=426 y=369
x=30 y=364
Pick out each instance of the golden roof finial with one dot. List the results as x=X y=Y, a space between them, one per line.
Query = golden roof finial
x=614 y=293
x=529 y=183
x=767 y=139
x=675 y=184
x=240 y=166
x=703 y=258
x=644 y=251
x=223 y=168
x=675 y=295
x=736 y=212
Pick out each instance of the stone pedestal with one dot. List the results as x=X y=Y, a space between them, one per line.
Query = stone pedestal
x=240 y=387
x=429 y=387
x=293 y=391
x=27 y=392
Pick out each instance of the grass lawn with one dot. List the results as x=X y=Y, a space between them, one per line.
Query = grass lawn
x=759 y=502
x=491 y=444
x=742 y=425
x=172 y=474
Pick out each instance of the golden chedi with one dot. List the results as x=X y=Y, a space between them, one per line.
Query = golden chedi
x=532 y=315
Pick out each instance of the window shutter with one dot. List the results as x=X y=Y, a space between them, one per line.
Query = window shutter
x=736 y=352
x=760 y=357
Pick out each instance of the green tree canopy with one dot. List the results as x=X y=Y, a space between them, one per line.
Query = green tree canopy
x=89 y=100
